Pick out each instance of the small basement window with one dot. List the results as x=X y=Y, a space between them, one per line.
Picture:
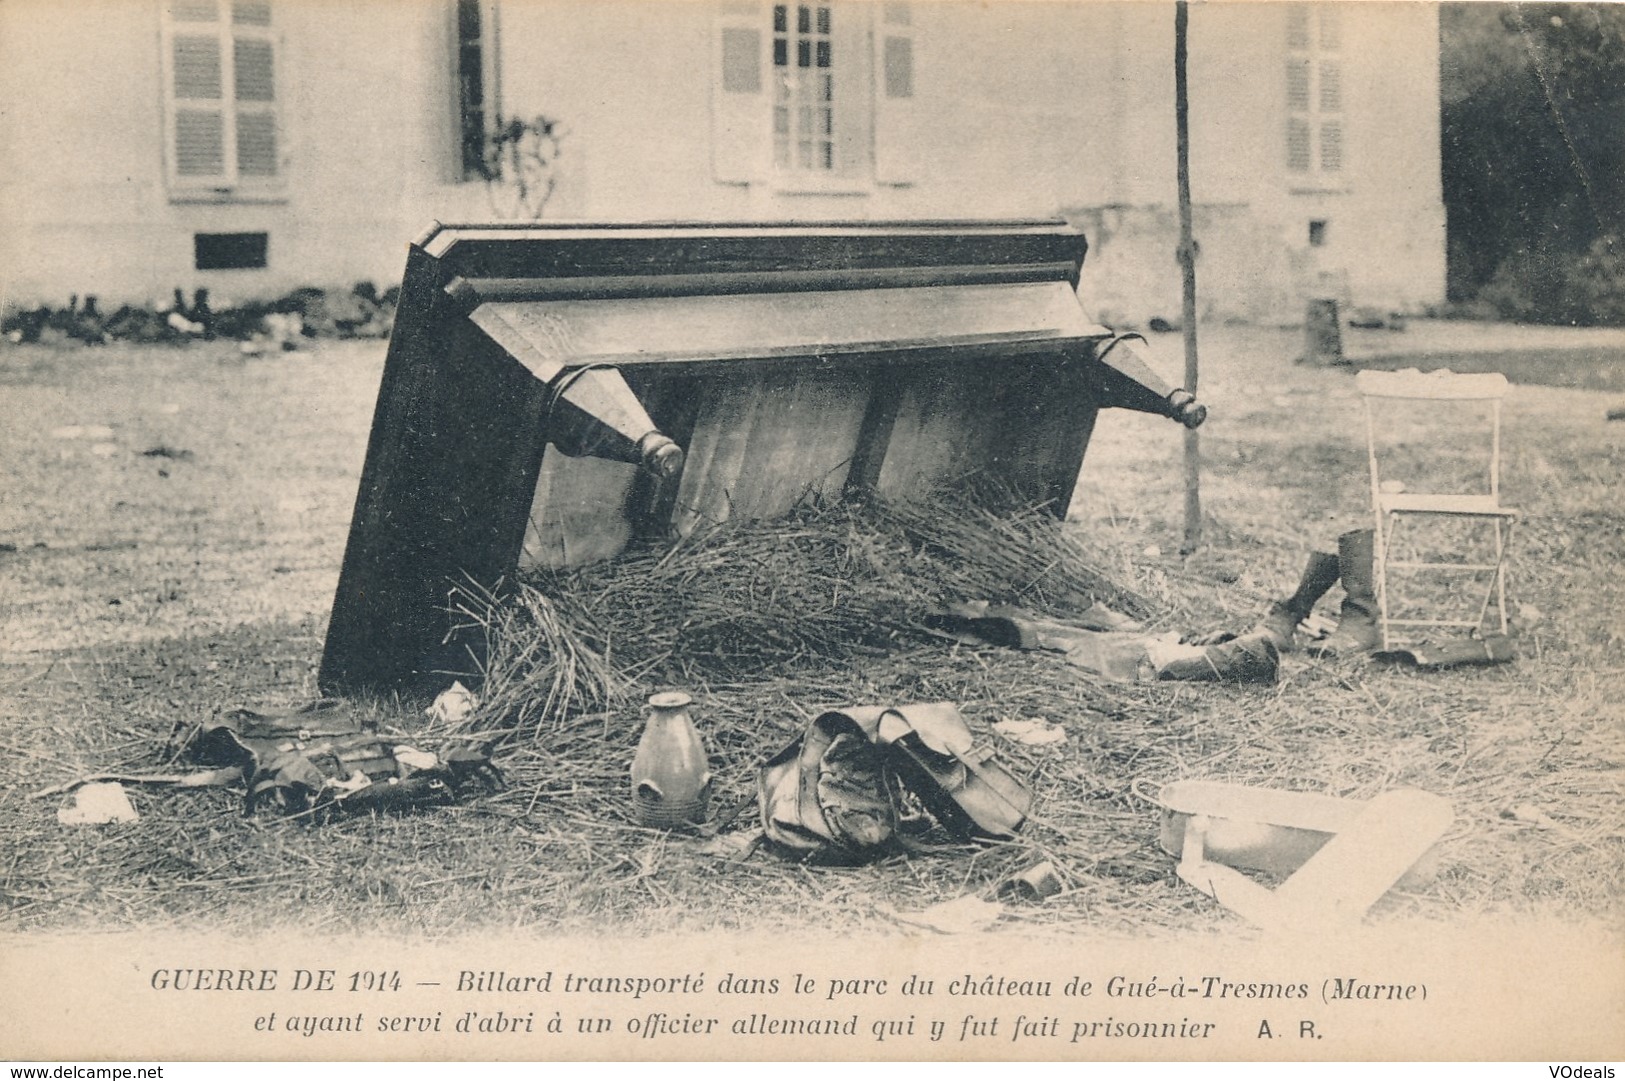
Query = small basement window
x=230 y=251
x=1317 y=234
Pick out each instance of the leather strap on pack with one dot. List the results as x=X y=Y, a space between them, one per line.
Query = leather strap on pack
x=833 y=793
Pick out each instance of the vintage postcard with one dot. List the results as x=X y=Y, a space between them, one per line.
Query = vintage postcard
x=537 y=530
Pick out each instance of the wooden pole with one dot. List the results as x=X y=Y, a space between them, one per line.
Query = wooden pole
x=1187 y=264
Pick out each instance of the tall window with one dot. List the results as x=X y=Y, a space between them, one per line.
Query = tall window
x=803 y=88
x=220 y=82
x=809 y=95
x=477 y=107
x=1314 y=89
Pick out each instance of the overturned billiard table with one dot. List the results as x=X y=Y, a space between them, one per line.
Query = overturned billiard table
x=553 y=391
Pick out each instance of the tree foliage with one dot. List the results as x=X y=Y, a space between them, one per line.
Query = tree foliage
x=1534 y=157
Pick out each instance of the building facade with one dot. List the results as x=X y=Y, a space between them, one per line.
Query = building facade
x=250 y=146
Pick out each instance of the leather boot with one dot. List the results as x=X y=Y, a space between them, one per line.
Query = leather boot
x=1281 y=625
x=1357 y=628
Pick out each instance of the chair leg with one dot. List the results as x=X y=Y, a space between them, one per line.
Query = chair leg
x=1379 y=559
x=1496 y=589
x=1501 y=543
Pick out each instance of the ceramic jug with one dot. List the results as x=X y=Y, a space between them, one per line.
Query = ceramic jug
x=671 y=780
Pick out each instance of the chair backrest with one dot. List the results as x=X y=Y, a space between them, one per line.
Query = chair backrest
x=1380 y=389
x=1440 y=385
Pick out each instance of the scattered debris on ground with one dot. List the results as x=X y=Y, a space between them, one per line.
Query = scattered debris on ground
x=324 y=760
x=98 y=804
x=1036 y=732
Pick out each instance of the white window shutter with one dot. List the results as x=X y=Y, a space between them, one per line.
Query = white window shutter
x=197 y=103
x=896 y=89
x=740 y=116
x=255 y=81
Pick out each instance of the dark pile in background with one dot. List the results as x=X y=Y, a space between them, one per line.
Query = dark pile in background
x=363 y=311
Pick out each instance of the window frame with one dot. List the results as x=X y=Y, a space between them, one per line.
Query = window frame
x=874 y=120
x=231 y=184
x=490 y=87
x=852 y=108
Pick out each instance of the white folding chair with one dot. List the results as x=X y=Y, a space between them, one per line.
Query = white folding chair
x=1455 y=486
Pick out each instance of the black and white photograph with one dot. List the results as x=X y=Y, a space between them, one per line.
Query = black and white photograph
x=935 y=530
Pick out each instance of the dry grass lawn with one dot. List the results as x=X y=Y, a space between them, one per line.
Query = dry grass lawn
x=170 y=533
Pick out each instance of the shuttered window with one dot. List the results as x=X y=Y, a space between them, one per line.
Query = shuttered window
x=1314 y=89
x=810 y=94
x=222 y=127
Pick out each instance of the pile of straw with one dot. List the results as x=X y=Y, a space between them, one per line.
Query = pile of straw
x=748 y=602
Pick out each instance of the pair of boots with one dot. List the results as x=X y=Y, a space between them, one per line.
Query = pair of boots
x=1357 y=630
